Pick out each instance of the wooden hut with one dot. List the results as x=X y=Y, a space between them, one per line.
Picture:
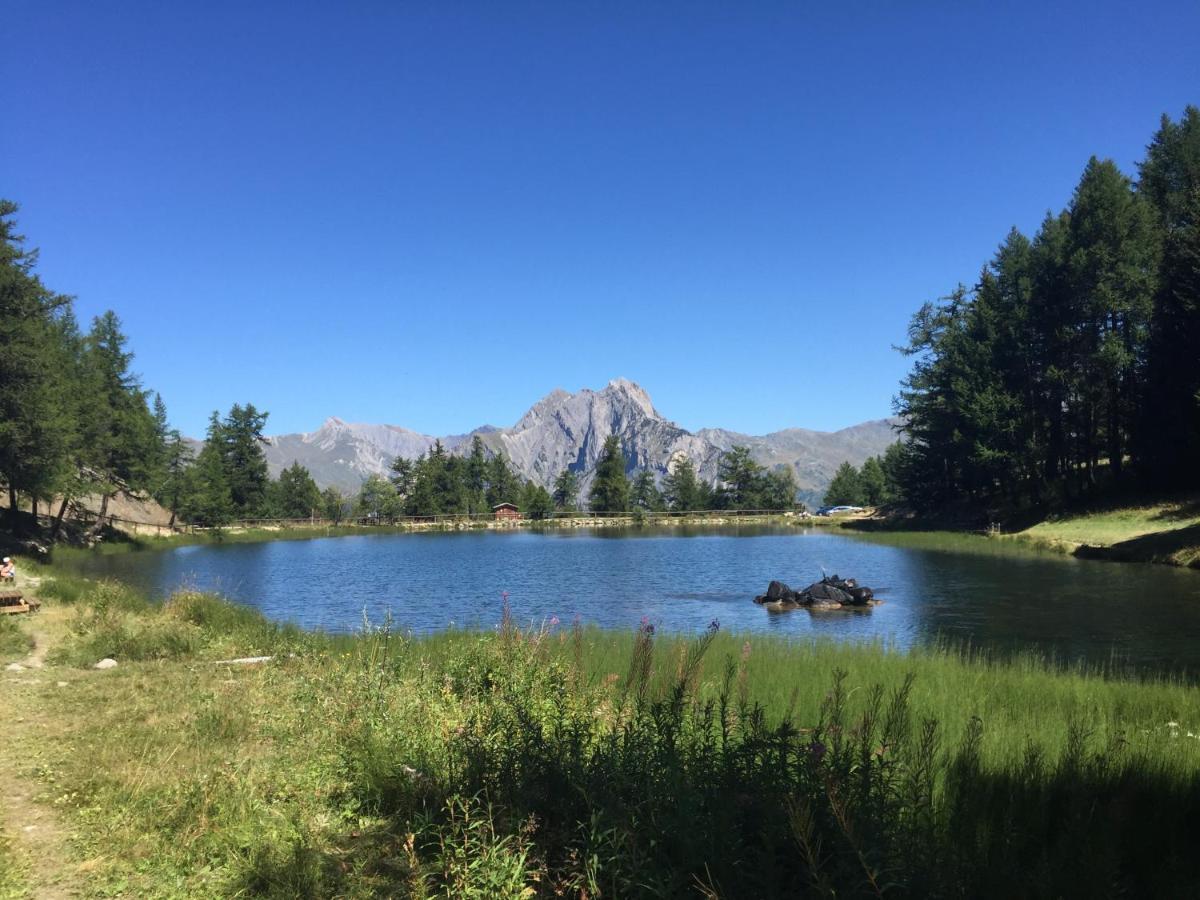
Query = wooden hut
x=506 y=511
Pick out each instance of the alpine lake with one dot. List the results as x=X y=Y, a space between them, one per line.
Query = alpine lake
x=987 y=595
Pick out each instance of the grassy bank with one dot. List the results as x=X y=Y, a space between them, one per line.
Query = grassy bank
x=1126 y=529
x=1162 y=532
x=577 y=762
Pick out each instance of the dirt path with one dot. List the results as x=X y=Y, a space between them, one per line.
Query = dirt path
x=27 y=814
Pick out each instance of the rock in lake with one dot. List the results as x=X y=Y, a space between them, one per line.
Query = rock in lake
x=831 y=592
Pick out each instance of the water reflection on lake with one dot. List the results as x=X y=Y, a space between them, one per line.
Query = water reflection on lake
x=681 y=581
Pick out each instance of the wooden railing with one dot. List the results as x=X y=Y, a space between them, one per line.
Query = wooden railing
x=467 y=518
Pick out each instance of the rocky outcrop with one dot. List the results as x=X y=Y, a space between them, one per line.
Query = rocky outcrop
x=830 y=592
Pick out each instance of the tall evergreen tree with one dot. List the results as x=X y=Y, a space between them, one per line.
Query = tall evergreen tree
x=610 y=486
x=779 y=489
x=741 y=480
x=566 y=491
x=846 y=489
x=535 y=502
x=36 y=425
x=503 y=484
x=245 y=464
x=1170 y=424
x=206 y=497
x=119 y=438
x=296 y=495
x=644 y=493
x=1112 y=267
x=682 y=490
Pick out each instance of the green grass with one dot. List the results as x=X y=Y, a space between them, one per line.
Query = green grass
x=571 y=762
x=1164 y=531
x=14 y=641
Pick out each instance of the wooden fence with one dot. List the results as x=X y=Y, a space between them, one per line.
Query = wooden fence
x=487 y=517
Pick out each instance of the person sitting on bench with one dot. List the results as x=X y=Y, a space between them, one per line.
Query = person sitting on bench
x=8 y=571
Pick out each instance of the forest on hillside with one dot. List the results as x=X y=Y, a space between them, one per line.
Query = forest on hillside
x=1073 y=363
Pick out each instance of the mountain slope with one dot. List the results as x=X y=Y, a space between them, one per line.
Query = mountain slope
x=565 y=430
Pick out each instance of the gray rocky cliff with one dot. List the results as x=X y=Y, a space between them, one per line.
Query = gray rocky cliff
x=565 y=430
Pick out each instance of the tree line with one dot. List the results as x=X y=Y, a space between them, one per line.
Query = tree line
x=1072 y=363
x=877 y=483
x=441 y=483
x=75 y=420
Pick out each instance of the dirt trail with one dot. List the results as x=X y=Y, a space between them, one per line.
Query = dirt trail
x=27 y=815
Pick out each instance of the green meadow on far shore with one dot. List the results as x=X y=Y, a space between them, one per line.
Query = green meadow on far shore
x=567 y=761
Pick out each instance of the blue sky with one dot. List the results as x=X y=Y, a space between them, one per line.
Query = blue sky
x=431 y=214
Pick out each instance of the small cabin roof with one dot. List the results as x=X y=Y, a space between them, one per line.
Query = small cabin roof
x=504 y=506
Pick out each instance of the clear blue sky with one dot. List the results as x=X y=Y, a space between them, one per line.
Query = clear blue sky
x=431 y=214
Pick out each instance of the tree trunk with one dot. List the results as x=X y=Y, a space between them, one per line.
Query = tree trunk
x=12 y=503
x=99 y=523
x=58 y=520
x=1114 y=430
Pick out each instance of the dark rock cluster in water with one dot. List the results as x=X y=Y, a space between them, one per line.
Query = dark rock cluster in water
x=831 y=592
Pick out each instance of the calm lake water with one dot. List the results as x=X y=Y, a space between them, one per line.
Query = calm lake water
x=1147 y=616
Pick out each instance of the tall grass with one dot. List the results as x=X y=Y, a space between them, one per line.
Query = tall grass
x=577 y=762
x=14 y=641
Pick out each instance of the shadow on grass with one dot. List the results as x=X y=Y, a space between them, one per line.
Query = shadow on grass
x=1187 y=509
x=1179 y=545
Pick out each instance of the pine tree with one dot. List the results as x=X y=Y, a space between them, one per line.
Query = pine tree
x=536 y=502
x=610 y=486
x=779 y=489
x=206 y=497
x=36 y=421
x=503 y=484
x=644 y=493
x=566 y=491
x=296 y=495
x=741 y=480
x=846 y=488
x=476 y=477
x=682 y=491
x=245 y=464
x=119 y=432
x=1169 y=436
x=1113 y=265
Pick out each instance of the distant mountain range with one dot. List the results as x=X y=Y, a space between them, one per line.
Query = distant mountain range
x=564 y=430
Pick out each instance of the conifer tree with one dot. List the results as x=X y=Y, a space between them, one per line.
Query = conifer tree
x=846 y=488
x=566 y=491
x=206 y=498
x=681 y=489
x=1170 y=423
x=246 y=473
x=741 y=480
x=610 y=486
x=296 y=495
x=644 y=493
x=36 y=421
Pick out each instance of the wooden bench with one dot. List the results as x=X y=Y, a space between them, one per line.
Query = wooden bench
x=15 y=602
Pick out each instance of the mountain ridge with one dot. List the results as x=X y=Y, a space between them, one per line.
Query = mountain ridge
x=567 y=430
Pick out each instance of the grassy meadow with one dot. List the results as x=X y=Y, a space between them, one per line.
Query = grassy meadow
x=567 y=761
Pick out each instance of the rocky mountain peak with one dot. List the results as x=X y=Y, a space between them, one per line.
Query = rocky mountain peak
x=567 y=430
